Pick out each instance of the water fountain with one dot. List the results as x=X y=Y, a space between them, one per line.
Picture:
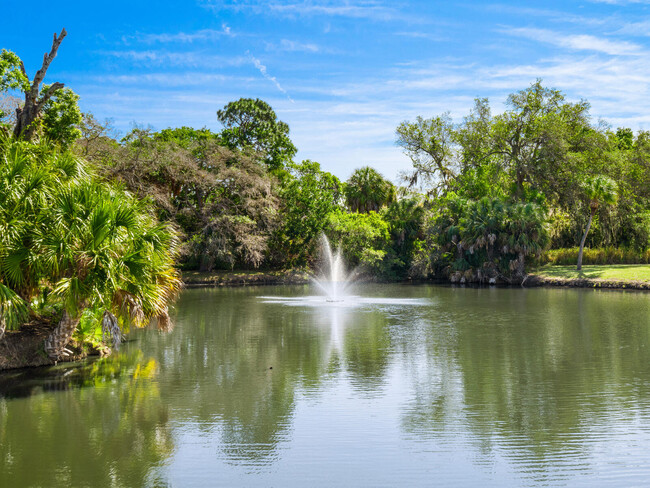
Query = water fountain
x=333 y=278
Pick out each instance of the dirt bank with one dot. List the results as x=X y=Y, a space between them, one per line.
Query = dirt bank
x=536 y=280
x=193 y=279
x=24 y=348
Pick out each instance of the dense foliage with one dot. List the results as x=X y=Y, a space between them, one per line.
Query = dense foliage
x=70 y=244
x=539 y=158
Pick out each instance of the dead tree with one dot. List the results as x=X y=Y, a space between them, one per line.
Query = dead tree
x=27 y=115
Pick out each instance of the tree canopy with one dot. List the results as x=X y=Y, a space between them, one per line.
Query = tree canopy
x=252 y=124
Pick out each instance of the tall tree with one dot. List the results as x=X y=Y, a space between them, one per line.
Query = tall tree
x=13 y=75
x=531 y=140
x=599 y=190
x=429 y=143
x=367 y=190
x=252 y=124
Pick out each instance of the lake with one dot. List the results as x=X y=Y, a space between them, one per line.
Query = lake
x=400 y=385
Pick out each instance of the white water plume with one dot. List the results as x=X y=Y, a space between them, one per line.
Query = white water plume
x=333 y=278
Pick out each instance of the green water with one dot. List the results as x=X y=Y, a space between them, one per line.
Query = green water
x=399 y=386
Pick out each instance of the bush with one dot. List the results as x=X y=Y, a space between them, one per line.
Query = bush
x=604 y=255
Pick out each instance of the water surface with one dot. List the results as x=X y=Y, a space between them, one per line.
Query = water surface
x=398 y=386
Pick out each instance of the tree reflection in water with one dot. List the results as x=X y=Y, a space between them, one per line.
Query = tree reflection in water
x=98 y=423
x=543 y=379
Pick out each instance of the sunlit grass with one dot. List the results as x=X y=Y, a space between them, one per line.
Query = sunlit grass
x=607 y=272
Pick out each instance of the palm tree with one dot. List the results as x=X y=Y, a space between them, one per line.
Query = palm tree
x=599 y=190
x=29 y=176
x=91 y=244
x=108 y=253
x=367 y=190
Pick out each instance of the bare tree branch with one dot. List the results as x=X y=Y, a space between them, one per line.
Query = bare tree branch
x=50 y=91
x=29 y=113
x=47 y=59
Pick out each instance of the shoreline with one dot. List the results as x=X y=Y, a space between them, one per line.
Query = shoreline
x=534 y=280
x=24 y=348
x=206 y=279
x=198 y=279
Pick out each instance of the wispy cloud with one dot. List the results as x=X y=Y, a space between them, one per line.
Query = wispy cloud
x=187 y=79
x=293 y=46
x=556 y=16
x=371 y=10
x=422 y=35
x=262 y=69
x=620 y=2
x=639 y=29
x=192 y=59
x=203 y=35
x=576 y=42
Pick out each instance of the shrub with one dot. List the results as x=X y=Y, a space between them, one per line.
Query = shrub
x=603 y=255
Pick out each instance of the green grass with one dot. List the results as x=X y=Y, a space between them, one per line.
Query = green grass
x=606 y=272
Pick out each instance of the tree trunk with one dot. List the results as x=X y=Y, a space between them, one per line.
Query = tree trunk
x=584 y=238
x=3 y=326
x=60 y=336
x=27 y=115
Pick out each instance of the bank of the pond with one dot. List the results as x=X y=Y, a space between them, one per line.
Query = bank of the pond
x=196 y=279
x=619 y=276
x=23 y=348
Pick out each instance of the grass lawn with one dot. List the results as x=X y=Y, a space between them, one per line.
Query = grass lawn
x=607 y=272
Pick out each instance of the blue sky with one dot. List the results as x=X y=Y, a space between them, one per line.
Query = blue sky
x=342 y=74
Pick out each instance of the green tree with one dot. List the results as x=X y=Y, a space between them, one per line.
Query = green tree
x=532 y=139
x=363 y=238
x=223 y=201
x=308 y=196
x=599 y=190
x=404 y=218
x=62 y=117
x=252 y=124
x=14 y=76
x=367 y=190
x=478 y=240
x=429 y=143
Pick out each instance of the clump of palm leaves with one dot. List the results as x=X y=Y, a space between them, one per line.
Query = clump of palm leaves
x=81 y=243
x=483 y=239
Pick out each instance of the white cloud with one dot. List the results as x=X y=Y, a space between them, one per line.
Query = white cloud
x=203 y=35
x=576 y=42
x=186 y=79
x=620 y=2
x=641 y=29
x=262 y=69
x=370 y=10
x=177 y=59
x=423 y=35
x=293 y=46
